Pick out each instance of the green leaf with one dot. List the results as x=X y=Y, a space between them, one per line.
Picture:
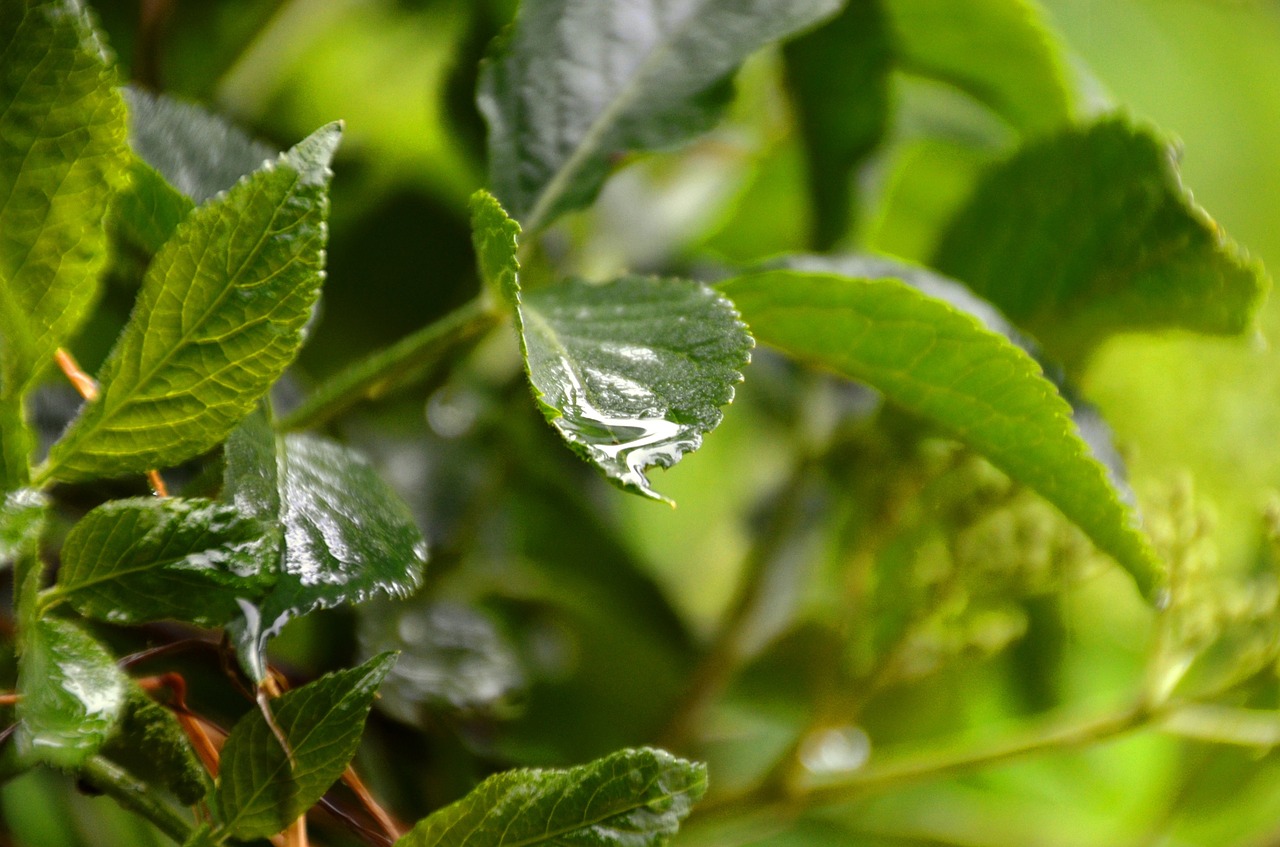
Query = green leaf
x=258 y=793
x=22 y=519
x=218 y=319
x=347 y=536
x=151 y=745
x=839 y=80
x=494 y=236
x=1090 y=232
x=943 y=365
x=141 y=560
x=633 y=372
x=184 y=157
x=72 y=694
x=580 y=82
x=62 y=155
x=955 y=43
x=16 y=439
x=632 y=798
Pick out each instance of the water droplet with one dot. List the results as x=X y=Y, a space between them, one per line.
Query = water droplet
x=452 y=412
x=835 y=750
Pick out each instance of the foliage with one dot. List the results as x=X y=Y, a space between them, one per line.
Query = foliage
x=912 y=507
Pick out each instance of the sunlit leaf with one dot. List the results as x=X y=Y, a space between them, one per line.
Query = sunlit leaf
x=1029 y=84
x=1090 y=232
x=580 y=82
x=494 y=235
x=259 y=793
x=22 y=519
x=133 y=561
x=219 y=317
x=943 y=365
x=633 y=372
x=632 y=798
x=62 y=154
x=839 y=79
x=72 y=694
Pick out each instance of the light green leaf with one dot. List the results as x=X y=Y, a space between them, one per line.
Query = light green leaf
x=22 y=519
x=943 y=365
x=72 y=694
x=62 y=155
x=347 y=536
x=141 y=560
x=632 y=798
x=494 y=236
x=956 y=43
x=632 y=373
x=1090 y=232
x=258 y=793
x=839 y=80
x=219 y=317
x=580 y=82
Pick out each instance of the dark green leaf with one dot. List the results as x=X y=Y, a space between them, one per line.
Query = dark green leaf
x=134 y=561
x=1028 y=84
x=1089 y=233
x=151 y=745
x=632 y=798
x=580 y=82
x=839 y=80
x=258 y=793
x=219 y=317
x=942 y=365
x=494 y=235
x=72 y=694
x=632 y=373
x=62 y=154
x=347 y=537
x=22 y=518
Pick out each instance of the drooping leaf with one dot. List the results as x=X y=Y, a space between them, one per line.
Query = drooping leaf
x=1029 y=85
x=140 y=560
x=219 y=317
x=943 y=365
x=839 y=79
x=259 y=793
x=62 y=154
x=494 y=236
x=184 y=156
x=1090 y=232
x=347 y=536
x=22 y=519
x=632 y=798
x=579 y=82
x=151 y=745
x=72 y=694
x=632 y=373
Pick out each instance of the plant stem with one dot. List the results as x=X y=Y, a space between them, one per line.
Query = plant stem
x=113 y=781
x=394 y=367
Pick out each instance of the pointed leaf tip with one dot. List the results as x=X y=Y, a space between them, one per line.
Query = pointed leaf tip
x=311 y=156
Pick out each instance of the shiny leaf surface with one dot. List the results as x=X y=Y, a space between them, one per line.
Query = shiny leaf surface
x=140 y=560
x=1090 y=232
x=259 y=793
x=632 y=798
x=632 y=373
x=580 y=82
x=943 y=365
x=219 y=317
x=22 y=519
x=62 y=154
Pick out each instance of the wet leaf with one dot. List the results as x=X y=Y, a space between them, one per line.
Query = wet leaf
x=633 y=372
x=62 y=155
x=72 y=694
x=953 y=42
x=151 y=745
x=258 y=793
x=22 y=519
x=219 y=317
x=839 y=80
x=578 y=83
x=347 y=536
x=141 y=560
x=943 y=365
x=494 y=235
x=1090 y=232
x=632 y=798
